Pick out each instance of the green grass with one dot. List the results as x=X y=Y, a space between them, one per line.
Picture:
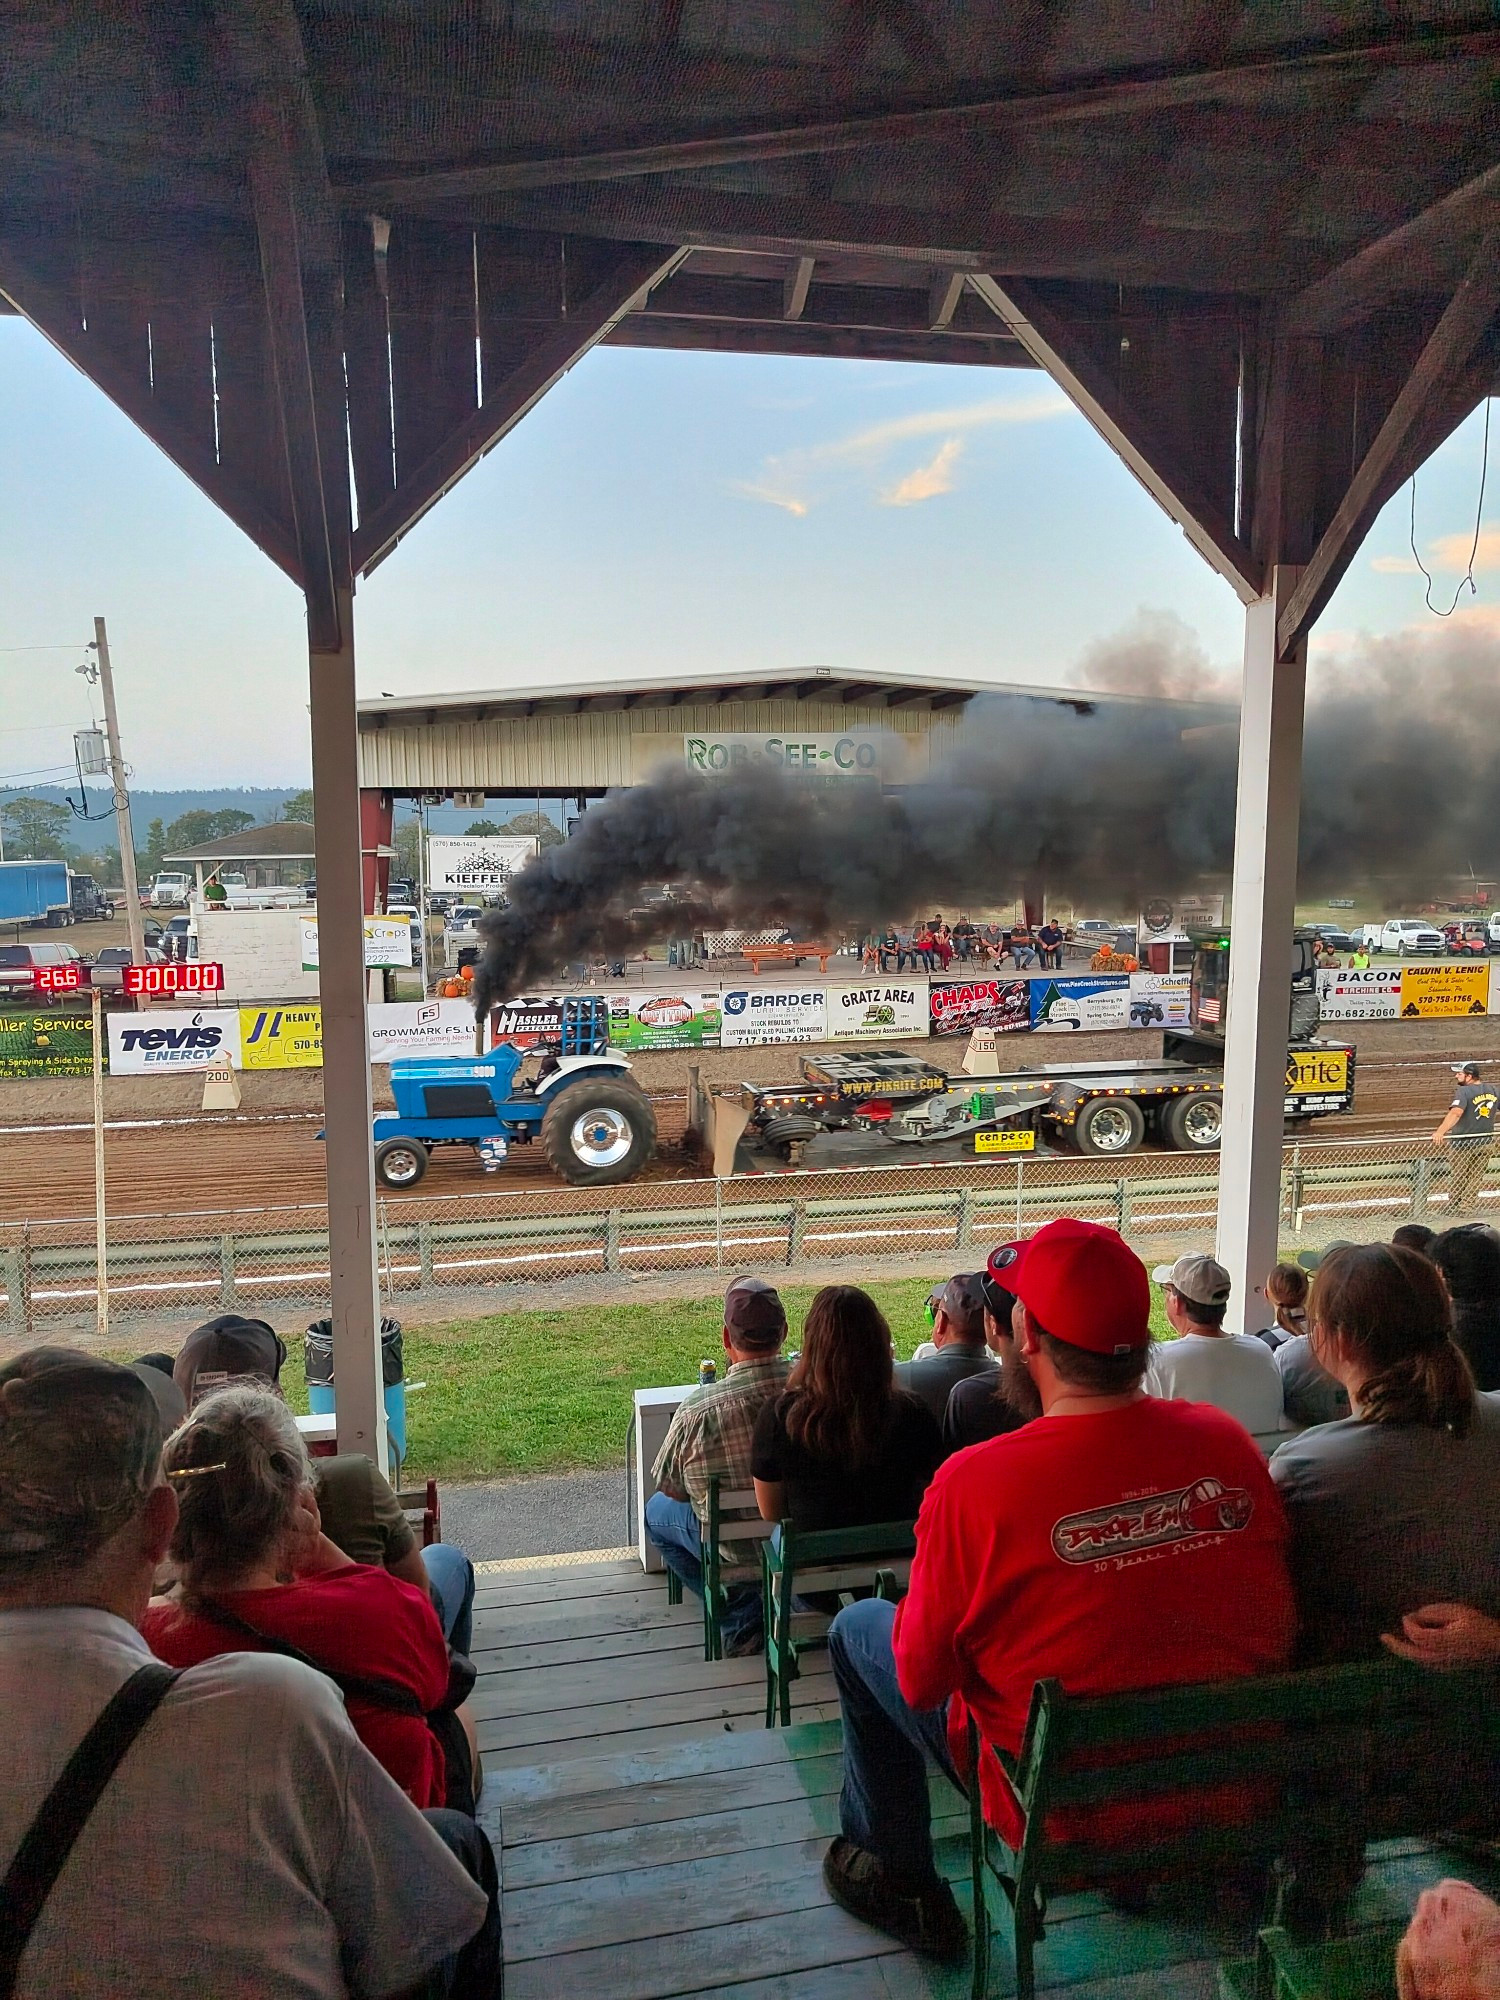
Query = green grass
x=529 y=1392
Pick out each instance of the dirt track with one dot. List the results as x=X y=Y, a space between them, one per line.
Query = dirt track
x=269 y=1153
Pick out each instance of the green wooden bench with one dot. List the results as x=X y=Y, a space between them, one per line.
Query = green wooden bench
x=829 y=1560
x=733 y=1513
x=1361 y=1967
x=1331 y=1758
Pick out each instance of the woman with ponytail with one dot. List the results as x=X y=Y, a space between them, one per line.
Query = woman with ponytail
x=1397 y=1506
x=257 y=1574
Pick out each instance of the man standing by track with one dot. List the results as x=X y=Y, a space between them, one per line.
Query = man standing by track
x=1468 y=1130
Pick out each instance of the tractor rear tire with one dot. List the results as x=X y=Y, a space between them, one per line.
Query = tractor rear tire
x=595 y=1134
x=400 y=1163
x=1195 y=1123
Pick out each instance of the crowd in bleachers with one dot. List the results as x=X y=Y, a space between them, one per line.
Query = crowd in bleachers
x=1107 y=1509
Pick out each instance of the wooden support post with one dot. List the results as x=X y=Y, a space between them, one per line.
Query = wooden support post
x=1264 y=907
x=347 y=1108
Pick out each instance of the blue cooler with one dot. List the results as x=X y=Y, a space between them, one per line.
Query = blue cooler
x=318 y=1360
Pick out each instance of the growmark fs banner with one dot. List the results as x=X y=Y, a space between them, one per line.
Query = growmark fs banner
x=50 y=1042
x=477 y=863
x=1001 y=1004
x=1442 y=992
x=148 y=1044
x=1103 y=1001
x=421 y=1028
x=1159 y=999
x=1352 y=995
x=664 y=1020
x=281 y=1037
x=878 y=1010
x=753 y=1015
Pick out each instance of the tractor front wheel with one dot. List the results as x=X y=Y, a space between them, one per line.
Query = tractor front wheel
x=400 y=1163
x=595 y=1134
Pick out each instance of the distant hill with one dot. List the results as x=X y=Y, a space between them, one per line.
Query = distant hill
x=264 y=801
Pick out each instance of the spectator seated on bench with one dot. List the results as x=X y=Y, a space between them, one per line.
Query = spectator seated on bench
x=1235 y=1372
x=710 y=1435
x=957 y=1349
x=236 y=1838
x=247 y=1520
x=1398 y=1505
x=986 y=1407
x=1023 y=1572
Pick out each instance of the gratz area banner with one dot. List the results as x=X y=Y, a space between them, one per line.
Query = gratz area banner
x=1001 y=1004
x=877 y=1010
x=753 y=1016
x=664 y=1020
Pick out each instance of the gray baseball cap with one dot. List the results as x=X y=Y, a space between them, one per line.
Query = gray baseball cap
x=1201 y=1279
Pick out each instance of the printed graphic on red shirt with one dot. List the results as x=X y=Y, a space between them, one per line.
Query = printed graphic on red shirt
x=1205 y=1510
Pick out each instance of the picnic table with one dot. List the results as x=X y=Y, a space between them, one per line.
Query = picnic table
x=790 y=954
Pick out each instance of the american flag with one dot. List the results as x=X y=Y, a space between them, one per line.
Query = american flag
x=1208 y=1013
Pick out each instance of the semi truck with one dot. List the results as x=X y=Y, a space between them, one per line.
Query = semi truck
x=883 y=1104
x=35 y=892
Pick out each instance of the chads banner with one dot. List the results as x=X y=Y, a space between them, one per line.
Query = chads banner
x=960 y=1008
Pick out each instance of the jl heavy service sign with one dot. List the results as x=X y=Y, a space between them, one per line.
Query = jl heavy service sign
x=1444 y=992
x=281 y=1037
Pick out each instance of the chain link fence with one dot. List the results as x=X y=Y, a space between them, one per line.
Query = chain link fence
x=462 y=1253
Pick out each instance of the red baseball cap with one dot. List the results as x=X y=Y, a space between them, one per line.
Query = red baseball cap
x=1082 y=1282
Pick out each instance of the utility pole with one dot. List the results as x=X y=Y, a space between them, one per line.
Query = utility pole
x=122 y=798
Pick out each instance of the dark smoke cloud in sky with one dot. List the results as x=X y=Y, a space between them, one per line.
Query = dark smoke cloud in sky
x=1102 y=804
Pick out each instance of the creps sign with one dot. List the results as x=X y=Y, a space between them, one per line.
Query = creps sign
x=140 y=1044
x=828 y=756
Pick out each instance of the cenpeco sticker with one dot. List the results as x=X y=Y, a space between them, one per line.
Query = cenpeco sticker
x=1005 y=1142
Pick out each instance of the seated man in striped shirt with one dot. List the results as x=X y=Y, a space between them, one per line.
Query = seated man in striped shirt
x=711 y=1433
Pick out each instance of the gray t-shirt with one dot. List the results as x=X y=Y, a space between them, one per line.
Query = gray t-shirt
x=1477 y=1102
x=1386 y=1518
x=1309 y=1393
x=933 y=1378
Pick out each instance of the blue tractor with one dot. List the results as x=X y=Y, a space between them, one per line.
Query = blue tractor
x=594 y=1121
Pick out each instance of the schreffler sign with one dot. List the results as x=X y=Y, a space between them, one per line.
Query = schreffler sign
x=148 y=1044
x=1373 y=994
x=476 y=862
x=878 y=1010
x=757 y=1015
x=1001 y=1004
x=1159 y=999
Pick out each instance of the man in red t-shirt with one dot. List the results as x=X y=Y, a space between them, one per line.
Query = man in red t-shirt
x=1116 y=1541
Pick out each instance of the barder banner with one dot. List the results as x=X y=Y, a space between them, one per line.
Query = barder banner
x=1159 y=999
x=147 y=1044
x=1444 y=992
x=878 y=1010
x=476 y=863
x=281 y=1038
x=52 y=1042
x=1001 y=1004
x=388 y=941
x=755 y=1015
x=1354 y=994
x=420 y=1028
x=1058 y=1005
x=664 y=1020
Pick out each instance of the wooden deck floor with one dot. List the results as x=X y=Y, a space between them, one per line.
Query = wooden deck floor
x=656 y=1840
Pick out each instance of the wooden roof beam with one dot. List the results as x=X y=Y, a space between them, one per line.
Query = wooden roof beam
x=942 y=299
x=1049 y=341
x=1439 y=367
x=1383 y=269
x=638 y=268
x=795 y=288
x=1106 y=93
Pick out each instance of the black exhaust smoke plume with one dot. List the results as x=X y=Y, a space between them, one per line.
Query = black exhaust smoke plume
x=1101 y=804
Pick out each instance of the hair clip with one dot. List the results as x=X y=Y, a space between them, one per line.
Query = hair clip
x=196 y=1471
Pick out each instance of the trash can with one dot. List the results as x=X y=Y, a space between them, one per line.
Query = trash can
x=317 y=1355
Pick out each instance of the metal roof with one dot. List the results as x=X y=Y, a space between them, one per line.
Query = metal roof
x=282 y=840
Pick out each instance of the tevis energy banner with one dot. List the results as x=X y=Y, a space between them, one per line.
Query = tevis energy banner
x=878 y=1010
x=1060 y=1005
x=664 y=1020
x=1159 y=999
x=147 y=1044
x=753 y=1015
x=1371 y=995
x=1001 y=1004
x=476 y=863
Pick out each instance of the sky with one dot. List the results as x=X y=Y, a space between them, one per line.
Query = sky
x=656 y=513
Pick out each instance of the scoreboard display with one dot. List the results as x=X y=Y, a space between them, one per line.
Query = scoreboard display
x=65 y=978
x=156 y=982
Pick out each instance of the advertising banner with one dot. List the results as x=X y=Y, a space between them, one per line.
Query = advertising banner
x=421 y=1028
x=527 y=1020
x=1159 y=999
x=1001 y=1004
x=755 y=1015
x=475 y=863
x=878 y=1010
x=147 y=1044
x=1100 y=1001
x=1165 y=918
x=664 y=1020
x=51 y=1042
x=1352 y=995
x=1442 y=992
x=388 y=941
x=859 y=754
x=281 y=1037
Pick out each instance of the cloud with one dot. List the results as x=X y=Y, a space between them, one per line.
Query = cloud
x=927 y=481
x=1451 y=552
x=799 y=479
x=1393 y=566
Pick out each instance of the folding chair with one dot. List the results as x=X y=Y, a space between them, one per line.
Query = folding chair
x=831 y=1559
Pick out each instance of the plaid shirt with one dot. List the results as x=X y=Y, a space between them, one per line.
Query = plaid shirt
x=712 y=1430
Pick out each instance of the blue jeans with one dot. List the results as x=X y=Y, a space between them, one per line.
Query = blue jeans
x=883 y=1806
x=673 y=1526
x=451 y=1575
